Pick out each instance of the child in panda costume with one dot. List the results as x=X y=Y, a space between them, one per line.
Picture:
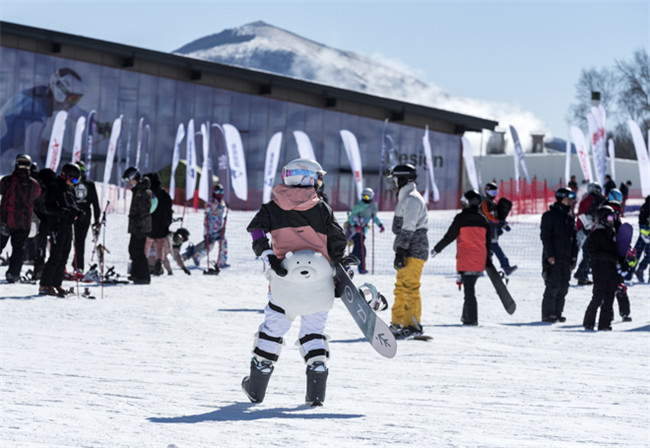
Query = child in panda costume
x=306 y=241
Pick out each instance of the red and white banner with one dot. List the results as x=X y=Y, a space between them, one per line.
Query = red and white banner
x=110 y=154
x=352 y=150
x=176 y=156
x=583 y=155
x=55 y=146
x=271 y=165
x=78 y=138
x=205 y=183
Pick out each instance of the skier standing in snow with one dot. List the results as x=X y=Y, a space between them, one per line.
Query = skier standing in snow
x=642 y=245
x=161 y=219
x=359 y=219
x=601 y=245
x=471 y=229
x=559 y=254
x=497 y=226
x=18 y=191
x=214 y=230
x=586 y=219
x=411 y=246
x=61 y=209
x=87 y=200
x=139 y=224
x=297 y=219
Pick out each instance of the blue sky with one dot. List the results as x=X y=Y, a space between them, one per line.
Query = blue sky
x=524 y=53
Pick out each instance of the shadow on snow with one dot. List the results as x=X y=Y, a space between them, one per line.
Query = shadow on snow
x=247 y=412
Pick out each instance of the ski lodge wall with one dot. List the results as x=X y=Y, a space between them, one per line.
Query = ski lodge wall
x=162 y=90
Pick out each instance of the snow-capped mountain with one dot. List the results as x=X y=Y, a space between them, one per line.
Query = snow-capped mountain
x=261 y=46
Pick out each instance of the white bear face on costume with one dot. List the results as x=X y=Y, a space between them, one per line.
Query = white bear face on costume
x=306 y=266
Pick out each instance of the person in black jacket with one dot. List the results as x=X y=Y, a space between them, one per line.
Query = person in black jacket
x=161 y=219
x=45 y=178
x=62 y=211
x=139 y=224
x=559 y=254
x=642 y=246
x=18 y=191
x=87 y=200
x=605 y=265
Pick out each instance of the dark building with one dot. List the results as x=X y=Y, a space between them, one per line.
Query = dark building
x=154 y=92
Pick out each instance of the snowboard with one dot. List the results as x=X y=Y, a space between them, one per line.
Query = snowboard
x=374 y=329
x=504 y=206
x=624 y=238
x=498 y=283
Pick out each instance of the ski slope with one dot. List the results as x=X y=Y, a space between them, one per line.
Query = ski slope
x=161 y=365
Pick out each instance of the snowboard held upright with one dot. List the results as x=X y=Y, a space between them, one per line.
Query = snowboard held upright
x=374 y=329
x=498 y=283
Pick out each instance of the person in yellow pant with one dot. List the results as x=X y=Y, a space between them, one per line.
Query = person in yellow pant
x=411 y=248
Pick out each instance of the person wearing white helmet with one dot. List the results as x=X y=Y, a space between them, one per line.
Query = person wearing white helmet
x=585 y=221
x=295 y=219
x=359 y=219
x=23 y=117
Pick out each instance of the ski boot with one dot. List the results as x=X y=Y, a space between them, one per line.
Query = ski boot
x=254 y=385
x=316 y=383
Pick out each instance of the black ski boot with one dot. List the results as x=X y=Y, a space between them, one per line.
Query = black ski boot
x=316 y=383
x=254 y=385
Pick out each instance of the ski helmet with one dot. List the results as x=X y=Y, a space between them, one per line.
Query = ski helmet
x=367 y=194
x=217 y=191
x=402 y=174
x=302 y=173
x=71 y=172
x=564 y=192
x=615 y=195
x=181 y=235
x=66 y=86
x=471 y=198
x=491 y=189
x=593 y=186
x=616 y=206
x=23 y=161
x=606 y=215
x=130 y=174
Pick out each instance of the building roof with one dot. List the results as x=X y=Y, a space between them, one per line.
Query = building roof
x=240 y=79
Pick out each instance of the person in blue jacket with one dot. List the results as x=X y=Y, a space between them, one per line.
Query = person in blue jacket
x=360 y=218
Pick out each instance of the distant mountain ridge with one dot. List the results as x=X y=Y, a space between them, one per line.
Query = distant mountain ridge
x=261 y=46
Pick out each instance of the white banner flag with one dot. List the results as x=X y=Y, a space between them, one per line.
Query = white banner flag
x=305 y=149
x=519 y=157
x=429 y=158
x=180 y=135
x=597 y=149
x=55 y=146
x=468 y=157
x=642 y=157
x=190 y=159
x=204 y=184
x=612 y=157
x=138 y=148
x=271 y=165
x=110 y=154
x=236 y=161
x=352 y=150
x=78 y=138
x=567 y=162
x=583 y=155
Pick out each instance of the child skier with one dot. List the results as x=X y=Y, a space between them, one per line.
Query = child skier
x=297 y=219
x=359 y=219
x=214 y=230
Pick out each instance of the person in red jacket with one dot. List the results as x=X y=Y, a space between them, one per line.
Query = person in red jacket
x=471 y=230
x=19 y=191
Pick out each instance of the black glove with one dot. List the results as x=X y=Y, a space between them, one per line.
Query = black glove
x=276 y=265
x=399 y=262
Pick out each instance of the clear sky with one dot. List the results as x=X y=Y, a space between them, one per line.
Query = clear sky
x=519 y=52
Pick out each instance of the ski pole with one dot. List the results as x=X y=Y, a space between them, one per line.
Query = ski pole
x=373 y=243
x=103 y=256
x=222 y=233
x=74 y=247
x=102 y=221
x=207 y=238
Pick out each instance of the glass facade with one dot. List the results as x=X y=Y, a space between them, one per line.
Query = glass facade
x=29 y=101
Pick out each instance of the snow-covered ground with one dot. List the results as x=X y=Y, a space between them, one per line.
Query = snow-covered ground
x=161 y=365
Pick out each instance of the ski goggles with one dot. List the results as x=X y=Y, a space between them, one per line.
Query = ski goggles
x=366 y=197
x=492 y=193
x=74 y=180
